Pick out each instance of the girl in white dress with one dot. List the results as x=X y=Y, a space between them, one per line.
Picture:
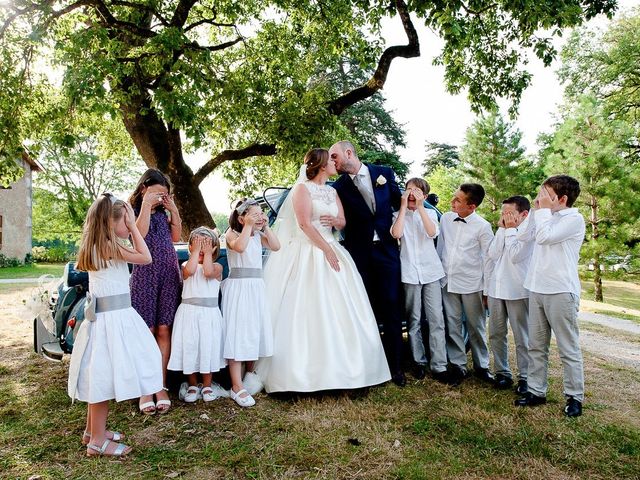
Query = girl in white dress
x=115 y=355
x=325 y=333
x=197 y=340
x=248 y=332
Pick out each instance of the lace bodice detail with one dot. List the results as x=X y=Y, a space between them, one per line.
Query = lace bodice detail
x=323 y=199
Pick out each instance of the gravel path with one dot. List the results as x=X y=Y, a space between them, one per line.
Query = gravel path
x=626 y=353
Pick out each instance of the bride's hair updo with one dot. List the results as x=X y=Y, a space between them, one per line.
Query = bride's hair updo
x=315 y=159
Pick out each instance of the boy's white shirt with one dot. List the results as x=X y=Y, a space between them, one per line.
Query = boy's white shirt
x=510 y=254
x=463 y=251
x=419 y=261
x=556 y=251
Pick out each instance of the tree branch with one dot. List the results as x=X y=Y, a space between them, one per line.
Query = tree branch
x=181 y=13
x=377 y=81
x=254 y=150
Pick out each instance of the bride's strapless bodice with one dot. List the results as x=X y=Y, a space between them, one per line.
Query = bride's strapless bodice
x=323 y=200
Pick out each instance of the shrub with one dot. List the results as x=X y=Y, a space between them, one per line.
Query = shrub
x=6 y=262
x=54 y=254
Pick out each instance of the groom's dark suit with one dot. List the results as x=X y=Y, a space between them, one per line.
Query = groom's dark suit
x=378 y=262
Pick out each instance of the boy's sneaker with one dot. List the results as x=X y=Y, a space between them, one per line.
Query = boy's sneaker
x=502 y=382
x=530 y=400
x=573 y=407
x=522 y=387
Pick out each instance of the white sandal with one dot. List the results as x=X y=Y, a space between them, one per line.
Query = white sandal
x=163 y=403
x=247 y=401
x=115 y=436
x=118 y=452
x=150 y=404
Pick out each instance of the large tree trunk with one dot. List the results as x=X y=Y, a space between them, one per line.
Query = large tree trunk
x=161 y=147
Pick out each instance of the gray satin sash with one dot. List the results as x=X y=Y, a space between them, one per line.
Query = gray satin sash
x=245 y=273
x=92 y=306
x=211 y=302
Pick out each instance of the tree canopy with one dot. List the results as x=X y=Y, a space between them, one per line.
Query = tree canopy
x=247 y=79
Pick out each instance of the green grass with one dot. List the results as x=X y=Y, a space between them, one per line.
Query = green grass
x=33 y=271
x=424 y=431
x=622 y=294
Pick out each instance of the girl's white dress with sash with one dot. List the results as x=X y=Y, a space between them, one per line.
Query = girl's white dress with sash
x=197 y=340
x=121 y=359
x=248 y=332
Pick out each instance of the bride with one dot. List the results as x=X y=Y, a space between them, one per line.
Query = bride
x=325 y=334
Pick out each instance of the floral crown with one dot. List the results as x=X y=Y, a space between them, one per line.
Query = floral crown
x=244 y=206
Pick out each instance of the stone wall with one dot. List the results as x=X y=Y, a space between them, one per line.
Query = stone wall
x=15 y=209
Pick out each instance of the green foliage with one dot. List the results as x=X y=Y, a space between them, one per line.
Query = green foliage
x=484 y=42
x=8 y=262
x=83 y=156
x=223 y=75
x=440 y=154
x=222 y=221
x=444 y=182
x=493 y=157
x=54 y=252
x=590 y=146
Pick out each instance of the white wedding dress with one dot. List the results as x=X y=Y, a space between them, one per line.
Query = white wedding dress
x=324 y=330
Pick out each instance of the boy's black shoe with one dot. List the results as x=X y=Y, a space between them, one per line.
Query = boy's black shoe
x=457 y=375
x=530 y=400
x=484 y=374
x=502 y=382
x=419 y=372
x=444 y=377
x=573 y=407
x=522 y=387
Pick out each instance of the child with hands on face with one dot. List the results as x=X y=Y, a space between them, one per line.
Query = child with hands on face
x=115 y=355
x=421 y=270
x=554 y=287
x=508 y=300
x=197 y=339
x=248 y=331
x=155 y=288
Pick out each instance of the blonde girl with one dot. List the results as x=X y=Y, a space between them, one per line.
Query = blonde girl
x=115 y=355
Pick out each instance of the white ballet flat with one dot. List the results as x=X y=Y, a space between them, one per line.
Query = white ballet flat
x=192 y=394
x=247 y=401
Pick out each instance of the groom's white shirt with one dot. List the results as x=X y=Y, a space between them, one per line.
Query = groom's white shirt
x=368 y=184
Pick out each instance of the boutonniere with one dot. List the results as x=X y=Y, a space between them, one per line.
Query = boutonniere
x=381 y=180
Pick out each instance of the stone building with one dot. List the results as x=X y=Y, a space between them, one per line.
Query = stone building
x=15 y=212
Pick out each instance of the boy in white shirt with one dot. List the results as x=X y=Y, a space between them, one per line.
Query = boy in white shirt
x=554 y=289
x=510 y=253
x=421 y=271
x=463 y=244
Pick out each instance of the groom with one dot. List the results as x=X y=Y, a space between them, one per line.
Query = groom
x=369 y=195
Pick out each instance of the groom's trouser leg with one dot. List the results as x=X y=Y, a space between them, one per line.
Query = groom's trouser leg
x=384 y=290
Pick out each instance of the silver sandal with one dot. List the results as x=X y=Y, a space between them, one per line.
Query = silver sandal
x=118 y=452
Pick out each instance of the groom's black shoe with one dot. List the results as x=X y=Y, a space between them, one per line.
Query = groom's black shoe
x=399 y=379
x=573 y=408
